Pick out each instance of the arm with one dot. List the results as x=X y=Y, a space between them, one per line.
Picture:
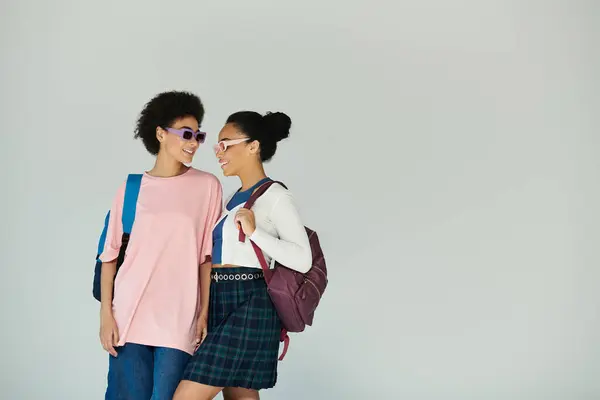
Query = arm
x=109 y=334
x=114 y=231
x=205 y=270
x=107 y=277
x=291 y=248
x=202 y=322
x=214 y=214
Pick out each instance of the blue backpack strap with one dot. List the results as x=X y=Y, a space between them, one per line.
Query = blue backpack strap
x=103 y=235
x=132 y=190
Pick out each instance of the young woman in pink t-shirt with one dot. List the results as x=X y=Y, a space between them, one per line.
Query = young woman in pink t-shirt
x=149 y=326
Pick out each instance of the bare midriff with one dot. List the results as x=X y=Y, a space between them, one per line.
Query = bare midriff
x=225 y=266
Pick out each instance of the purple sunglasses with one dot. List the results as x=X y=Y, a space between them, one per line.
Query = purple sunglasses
x=188 y=134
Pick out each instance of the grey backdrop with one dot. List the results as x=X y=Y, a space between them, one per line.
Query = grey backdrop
x=446 y=151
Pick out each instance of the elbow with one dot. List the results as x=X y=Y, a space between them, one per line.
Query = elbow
x=109 y=255
x=207 y=262
x=305 y=261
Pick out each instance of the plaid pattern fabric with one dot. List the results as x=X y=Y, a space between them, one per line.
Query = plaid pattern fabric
x=242 y=344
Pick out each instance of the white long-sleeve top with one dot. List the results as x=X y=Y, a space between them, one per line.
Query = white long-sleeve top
x=279 y=232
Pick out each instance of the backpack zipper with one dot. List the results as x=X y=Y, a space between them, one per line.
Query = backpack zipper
x=321 y=271
x=315 y=286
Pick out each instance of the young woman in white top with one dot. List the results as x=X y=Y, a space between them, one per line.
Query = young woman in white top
x=240 y=345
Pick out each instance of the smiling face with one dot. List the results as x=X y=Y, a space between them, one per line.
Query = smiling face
x=235 y=151
x=174 y=145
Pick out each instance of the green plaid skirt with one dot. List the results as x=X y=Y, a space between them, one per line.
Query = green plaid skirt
x=242 y=344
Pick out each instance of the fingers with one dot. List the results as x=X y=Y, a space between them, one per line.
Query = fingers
x=103 y=340
x=201 y=332
x=107 y=344
x=111 y=350
x=115 y=335
x=115 y=341
x=240 y=215
x=110 y=344
x=243 y=213
x=244 y=220
x=199 y=327
x=109 y=341
x=239 y=221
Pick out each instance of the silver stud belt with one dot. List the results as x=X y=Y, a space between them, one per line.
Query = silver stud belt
x=218 y=277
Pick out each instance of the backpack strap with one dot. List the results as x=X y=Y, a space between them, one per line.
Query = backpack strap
x=102 y=239
x=132 y=191
x=242 y=236
x=263 y=262
x=284 y=337
x=255 y=195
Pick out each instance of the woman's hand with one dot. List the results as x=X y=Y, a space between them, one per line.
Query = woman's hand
x=201 y=330
x=245 y=218
x=109 y=333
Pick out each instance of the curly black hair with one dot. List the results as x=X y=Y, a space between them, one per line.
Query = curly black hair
x=268 y=129
x=163 y=110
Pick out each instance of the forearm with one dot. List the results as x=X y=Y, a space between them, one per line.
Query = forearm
x=205 y=270
x=289 y=246
x=107 y=278
x=290 y=254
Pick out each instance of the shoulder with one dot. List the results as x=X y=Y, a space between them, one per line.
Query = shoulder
x=204 y=177
x=278 y=194
x=120 y=193
x=277 y=191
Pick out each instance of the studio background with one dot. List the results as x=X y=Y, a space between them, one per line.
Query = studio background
x=445 y=151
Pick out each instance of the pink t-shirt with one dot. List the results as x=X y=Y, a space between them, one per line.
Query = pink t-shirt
x=157 y=289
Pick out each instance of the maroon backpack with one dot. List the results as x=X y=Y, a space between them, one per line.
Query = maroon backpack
x=295 y=295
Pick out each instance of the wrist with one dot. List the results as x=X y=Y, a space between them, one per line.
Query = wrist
x=252 y=231
x=106 y=310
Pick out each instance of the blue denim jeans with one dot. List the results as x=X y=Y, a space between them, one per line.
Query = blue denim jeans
x=144 y=372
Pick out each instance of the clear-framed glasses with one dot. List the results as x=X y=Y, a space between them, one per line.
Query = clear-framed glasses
x=224 y=144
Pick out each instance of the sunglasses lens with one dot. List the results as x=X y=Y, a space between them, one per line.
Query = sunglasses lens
x=187 y=135
x=200 y=137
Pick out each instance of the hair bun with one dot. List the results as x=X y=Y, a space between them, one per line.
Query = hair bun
x=277 y=124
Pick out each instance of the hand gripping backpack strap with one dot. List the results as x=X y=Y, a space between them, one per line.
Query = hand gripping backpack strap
x=261 y=257
x=242 y=236
x=255 y=195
